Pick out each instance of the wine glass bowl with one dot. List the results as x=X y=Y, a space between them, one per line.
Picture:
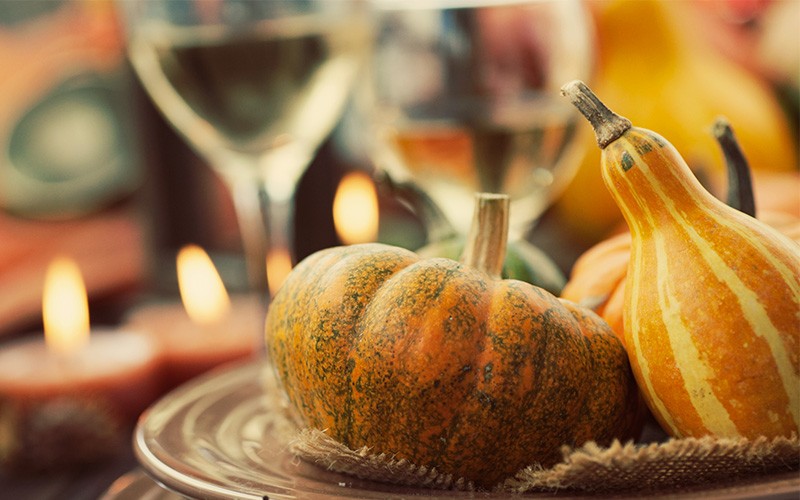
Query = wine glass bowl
x=465 y=97
x=254 y=86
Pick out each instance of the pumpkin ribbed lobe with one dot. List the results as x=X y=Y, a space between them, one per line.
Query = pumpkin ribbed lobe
x=625 y=410
x=418 y=359
x=333 y=287
x=521 y=352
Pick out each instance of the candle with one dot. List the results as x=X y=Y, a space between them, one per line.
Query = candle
x=66 y=396
x=209 y=328
x=115 y=369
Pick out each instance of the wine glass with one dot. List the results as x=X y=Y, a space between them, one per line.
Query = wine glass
x=465 y=97
x=254 y=86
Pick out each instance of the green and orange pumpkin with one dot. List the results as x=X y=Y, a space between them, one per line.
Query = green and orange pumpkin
x=443 y=363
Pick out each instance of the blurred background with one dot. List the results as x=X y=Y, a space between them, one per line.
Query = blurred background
x=89 y=168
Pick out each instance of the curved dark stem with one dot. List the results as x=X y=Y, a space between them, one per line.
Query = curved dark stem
x=740 y=182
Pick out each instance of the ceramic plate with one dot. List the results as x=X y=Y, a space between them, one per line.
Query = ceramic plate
x=214 y=438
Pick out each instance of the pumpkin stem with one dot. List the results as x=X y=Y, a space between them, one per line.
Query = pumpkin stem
x=437 y=226
x=608 y=126
x=740 y=183
x=488 y=235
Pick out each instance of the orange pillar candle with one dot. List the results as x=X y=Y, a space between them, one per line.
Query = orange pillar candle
x=90 y=386
x=208 y=329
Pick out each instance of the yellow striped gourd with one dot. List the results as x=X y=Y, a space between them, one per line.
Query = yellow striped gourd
x=712 y=302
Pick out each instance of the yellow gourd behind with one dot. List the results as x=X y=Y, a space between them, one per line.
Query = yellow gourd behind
x=655 y=72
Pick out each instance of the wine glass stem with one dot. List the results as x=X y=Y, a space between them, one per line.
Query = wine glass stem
x=247 y=200
x=266 y=226
x=279 y=221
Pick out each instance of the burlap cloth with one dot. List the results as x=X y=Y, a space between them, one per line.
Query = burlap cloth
x=667 y=465
x=622 y=468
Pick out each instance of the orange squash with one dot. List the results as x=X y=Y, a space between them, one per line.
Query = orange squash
x=597 y=279
x=443 y=363
x=712 y=295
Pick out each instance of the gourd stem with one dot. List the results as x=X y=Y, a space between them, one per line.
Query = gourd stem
x=608 y=126
x=488 y=235
x=740 y=183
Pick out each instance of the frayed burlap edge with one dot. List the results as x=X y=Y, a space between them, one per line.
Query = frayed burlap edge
x=677 y=463
x=620 y=468
x=317 y=447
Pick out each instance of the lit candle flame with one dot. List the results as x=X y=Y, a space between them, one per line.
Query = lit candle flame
x=202 y=290
x=65 y=307
x=355 y=209
x=279 y=265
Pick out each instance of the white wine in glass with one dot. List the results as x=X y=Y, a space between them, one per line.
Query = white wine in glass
x=254 y=86
x=465 y=98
